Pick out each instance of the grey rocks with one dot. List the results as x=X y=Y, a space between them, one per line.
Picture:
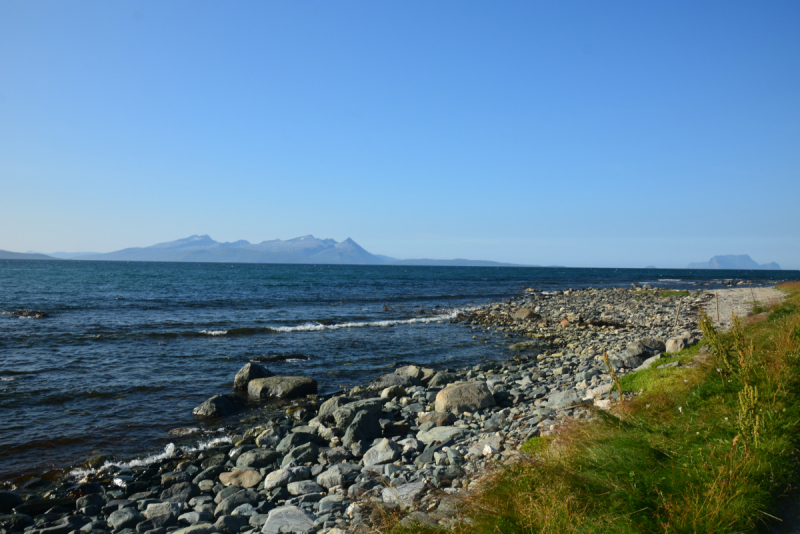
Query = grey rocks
x=282 y=387
x=288 y=519
x=218 y=406
x=125 y=518
x=466 y=397
x=249 y=372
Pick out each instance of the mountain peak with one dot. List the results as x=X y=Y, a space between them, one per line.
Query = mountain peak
x=734 y=262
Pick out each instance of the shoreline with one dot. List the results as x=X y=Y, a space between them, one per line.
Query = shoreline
x=402 y=457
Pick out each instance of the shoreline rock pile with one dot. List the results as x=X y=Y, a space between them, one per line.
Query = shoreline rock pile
x=412 y=439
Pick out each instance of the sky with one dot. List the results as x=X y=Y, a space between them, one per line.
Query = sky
x=606 y=134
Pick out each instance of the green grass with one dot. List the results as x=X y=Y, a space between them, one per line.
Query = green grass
x=689 y=454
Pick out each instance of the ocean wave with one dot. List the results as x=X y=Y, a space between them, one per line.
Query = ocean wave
x=213 y=332
x=317 y=327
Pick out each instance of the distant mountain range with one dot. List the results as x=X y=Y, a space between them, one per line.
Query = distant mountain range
x=306 y=249
x=731 y=261
x=6 y=255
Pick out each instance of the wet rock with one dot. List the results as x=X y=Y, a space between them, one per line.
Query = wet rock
x=282 y=387
x=218 y=406
x=8 y=500
x=249 y=372
x=466 y=397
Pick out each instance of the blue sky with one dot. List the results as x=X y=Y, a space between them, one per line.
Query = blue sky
x=573 y=133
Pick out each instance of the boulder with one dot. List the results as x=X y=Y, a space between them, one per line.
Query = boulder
x=231 y=524
x=180 y=492
x=162 y=508
x=394 y=379
x=393 y=391
x=525 y=314
x=199 y=528
x=337 y=475
x=302 y=454
x=331 y=405
x=344 y=416
x=441 y=433
x=406 y=495
x=229 y=504
x=466 y=397
x=257 y=458
x=288 y=519
x=442 y=379
x=8 y=500
x=563 y=398
x=271 y=437
x=365 y=427
x=282 y=387
x=654 y=346
x=125 y=518
x=304 y=487
x=386 y=451
x=218 y=406
x=246 y=478
x=296 y=439
x=249 y=372
x=282 y=477
x=437 y=418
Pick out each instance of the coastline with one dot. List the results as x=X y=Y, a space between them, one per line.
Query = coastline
x=426 y=436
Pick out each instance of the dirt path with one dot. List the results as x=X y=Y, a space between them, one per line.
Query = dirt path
x=739 y=300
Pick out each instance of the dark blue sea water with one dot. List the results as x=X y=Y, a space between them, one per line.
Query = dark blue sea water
x=131 y=348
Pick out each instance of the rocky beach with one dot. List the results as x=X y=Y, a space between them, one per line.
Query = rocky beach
x=416 y=439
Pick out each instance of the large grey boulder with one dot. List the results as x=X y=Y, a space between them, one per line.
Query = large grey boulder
x=282 y=477
x=344 y=416
x=337 y=475
x=365 y=427
x=327 y=408
x=466 y=397
x=249 y=372
x=125 y=518
x=229 y=504
x=296 y=439
x=394 y=379
x=180 y=492
x=406 y=495
x=246 y=478
x=678 y=343
x=288 y=519
x=441 y=379
x=637 y=352
x=302 y=454
x=386 y=451
x=525 y=314
x=563 y=398
x=282 y=387
x=304 y=487
x=218 y=406
x=257 y=458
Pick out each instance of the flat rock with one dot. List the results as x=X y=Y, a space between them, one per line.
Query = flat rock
x=304 y=487
x=384 y=452
x=288 y=519
x=563 y=398
x=257 y=458
x=394 y=379
x=466 y=397
x=441 y=433
x=406 y=495
x=282 y=387
x=249 y=372
x=246 y=478
x=437 y=418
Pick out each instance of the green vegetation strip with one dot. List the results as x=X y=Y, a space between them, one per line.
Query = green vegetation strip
x=708 y=446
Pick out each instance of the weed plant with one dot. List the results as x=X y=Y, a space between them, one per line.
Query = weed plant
x=709 y=446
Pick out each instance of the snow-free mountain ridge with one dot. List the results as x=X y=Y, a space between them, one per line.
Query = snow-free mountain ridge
x=733 y=261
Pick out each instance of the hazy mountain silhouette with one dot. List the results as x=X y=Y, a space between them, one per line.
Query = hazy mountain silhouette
x=7 y=255
x=731 y=261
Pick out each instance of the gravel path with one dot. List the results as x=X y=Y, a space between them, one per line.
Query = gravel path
x=739 y=300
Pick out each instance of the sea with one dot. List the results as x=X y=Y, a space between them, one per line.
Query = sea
x=128 y=349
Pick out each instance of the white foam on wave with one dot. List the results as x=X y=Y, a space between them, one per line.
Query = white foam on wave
x=669 y=280
x=214 y=332
x=8 y=378
x=317 y=327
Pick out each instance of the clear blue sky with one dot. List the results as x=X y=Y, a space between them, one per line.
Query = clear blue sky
x=574 y=133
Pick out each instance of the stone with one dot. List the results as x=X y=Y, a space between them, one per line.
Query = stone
x=257 y=458
x=654 y=346
x=157 y=521
x=442 y=379
x=271 y=437
x=466 y=397
x=337 y=475
x=676 y=344
x=393 y=391
x=563 y=398
x=195 y=517
x=162 y=508
x=441 y=433
x=282 y=387
x=394 y=379
x=406 y=495
x=344 y=416
x=365 y=427
x=249 y=372
x=288 y=519
x=386 y=451
x=229 y=504
x=437 y=418
x=231 y=524
x=295 y=439
x=180 y=492
x=410 y=370
x=327 y=408
x=304 y=487
x=533 y=344
x=246 y=478
x=198 y=528
x=247 y=510
x=218 y=406
x=302 y=454
x=525 y=314
x=125 y=518
x=282 y=477
x=8 y=500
